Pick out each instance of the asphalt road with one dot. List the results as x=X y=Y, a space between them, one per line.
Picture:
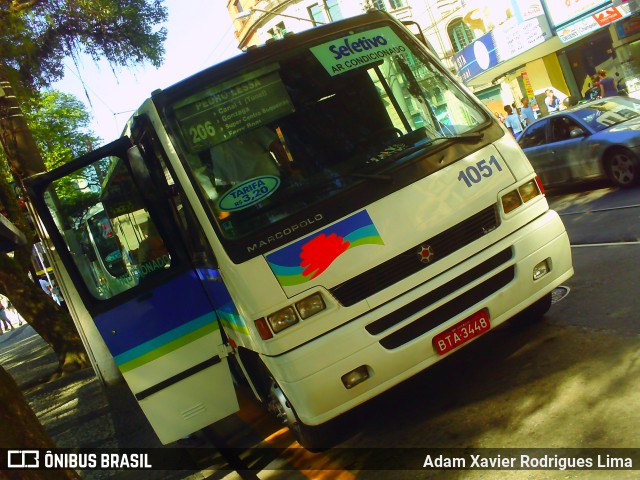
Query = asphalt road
x=571 y=381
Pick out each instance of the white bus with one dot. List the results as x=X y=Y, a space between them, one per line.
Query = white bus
x=339 y=214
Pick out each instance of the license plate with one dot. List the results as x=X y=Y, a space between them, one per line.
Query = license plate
x=462 y=332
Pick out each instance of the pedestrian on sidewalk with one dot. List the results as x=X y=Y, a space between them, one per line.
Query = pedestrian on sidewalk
x=4 y=319
x=512 y=122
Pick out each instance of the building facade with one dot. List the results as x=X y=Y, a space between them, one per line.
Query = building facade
x=503 y=50
x=258 y=21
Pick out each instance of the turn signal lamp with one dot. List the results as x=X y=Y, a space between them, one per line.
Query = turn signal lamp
x=263 y=329
x=355 y=377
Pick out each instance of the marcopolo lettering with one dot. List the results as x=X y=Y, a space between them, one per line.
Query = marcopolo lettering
x=350 y=47
x=285 y=232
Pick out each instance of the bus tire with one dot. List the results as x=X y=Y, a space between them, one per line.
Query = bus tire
x=312 y=438
x=533 y=313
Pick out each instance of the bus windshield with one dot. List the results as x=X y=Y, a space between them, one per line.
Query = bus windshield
x=316 y=121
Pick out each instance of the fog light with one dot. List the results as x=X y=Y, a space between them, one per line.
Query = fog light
x=541 y=269
x=354 y=377
x=310 y=306
x=282 y=319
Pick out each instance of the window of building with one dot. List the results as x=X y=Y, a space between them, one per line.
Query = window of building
x=334 y=10
x=324 y=12
x=460 y=35
x=278 y=30
x=395 y=4
x=379 y=4
x=238 y=5
x=316 y=12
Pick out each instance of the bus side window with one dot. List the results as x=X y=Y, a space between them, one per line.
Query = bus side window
x=152 y=246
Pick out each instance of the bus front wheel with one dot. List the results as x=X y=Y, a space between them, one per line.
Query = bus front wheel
x=311 y=438
x=534 y=313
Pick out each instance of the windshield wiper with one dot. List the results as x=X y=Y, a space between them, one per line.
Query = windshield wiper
x=464 y=138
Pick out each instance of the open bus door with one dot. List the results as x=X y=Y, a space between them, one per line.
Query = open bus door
x=116 y=236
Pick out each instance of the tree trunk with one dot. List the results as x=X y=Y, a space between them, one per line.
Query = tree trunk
x=39 y=310
x=52 y=323
x=21 y=429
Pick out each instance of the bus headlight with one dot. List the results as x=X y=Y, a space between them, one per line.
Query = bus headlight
x=528 y=191
x=282 y=319
x=511 y=201
x=310 y=306
x=521 y=195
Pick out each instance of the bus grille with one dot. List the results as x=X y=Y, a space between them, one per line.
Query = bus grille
x=449 y=310
x=438 y=293
x=407 y=263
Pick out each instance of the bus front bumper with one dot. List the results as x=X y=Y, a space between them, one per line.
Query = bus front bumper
x=315 y=386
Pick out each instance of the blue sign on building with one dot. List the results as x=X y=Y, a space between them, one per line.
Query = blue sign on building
x=477 y=57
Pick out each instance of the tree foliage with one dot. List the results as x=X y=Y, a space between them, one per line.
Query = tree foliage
x=60 y=126
x=37 y=35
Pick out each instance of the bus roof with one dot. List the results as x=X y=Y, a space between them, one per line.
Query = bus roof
x=252 y=55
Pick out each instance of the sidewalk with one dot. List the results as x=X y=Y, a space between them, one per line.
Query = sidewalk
x=77 y=411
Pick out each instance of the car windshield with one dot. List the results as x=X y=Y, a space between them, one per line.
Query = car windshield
x=607 y=112
x=315 y=122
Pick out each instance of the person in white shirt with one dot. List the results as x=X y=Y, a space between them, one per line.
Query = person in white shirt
x=527 y=111
x=255 y=153
x=512 y=122
x=552 y=102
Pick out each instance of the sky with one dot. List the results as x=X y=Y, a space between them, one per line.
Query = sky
x=199 y=34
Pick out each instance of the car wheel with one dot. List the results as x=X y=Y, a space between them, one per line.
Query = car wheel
x=622 y=168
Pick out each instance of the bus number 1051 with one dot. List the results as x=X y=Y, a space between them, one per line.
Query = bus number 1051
x=474 y=173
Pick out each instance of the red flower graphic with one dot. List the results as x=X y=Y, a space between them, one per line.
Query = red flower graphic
x=320 y=252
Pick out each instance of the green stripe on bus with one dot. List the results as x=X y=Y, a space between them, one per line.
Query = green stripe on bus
x=168 y=348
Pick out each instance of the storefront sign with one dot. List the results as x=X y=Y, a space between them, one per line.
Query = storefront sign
x=526 y=9
x=501 y=44
x=527 y=85
x=628 y=27
x=561 y=12
x=590 y=24
x=476 y=58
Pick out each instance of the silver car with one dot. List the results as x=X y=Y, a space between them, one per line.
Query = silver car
x=598 y=139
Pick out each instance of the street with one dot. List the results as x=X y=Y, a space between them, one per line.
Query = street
x=571 y=381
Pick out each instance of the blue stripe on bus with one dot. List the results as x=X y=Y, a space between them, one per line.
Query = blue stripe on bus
x=140 y=320
x=165 y=338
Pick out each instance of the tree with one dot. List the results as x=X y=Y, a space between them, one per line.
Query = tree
x=35 y=36
x=59 y=123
